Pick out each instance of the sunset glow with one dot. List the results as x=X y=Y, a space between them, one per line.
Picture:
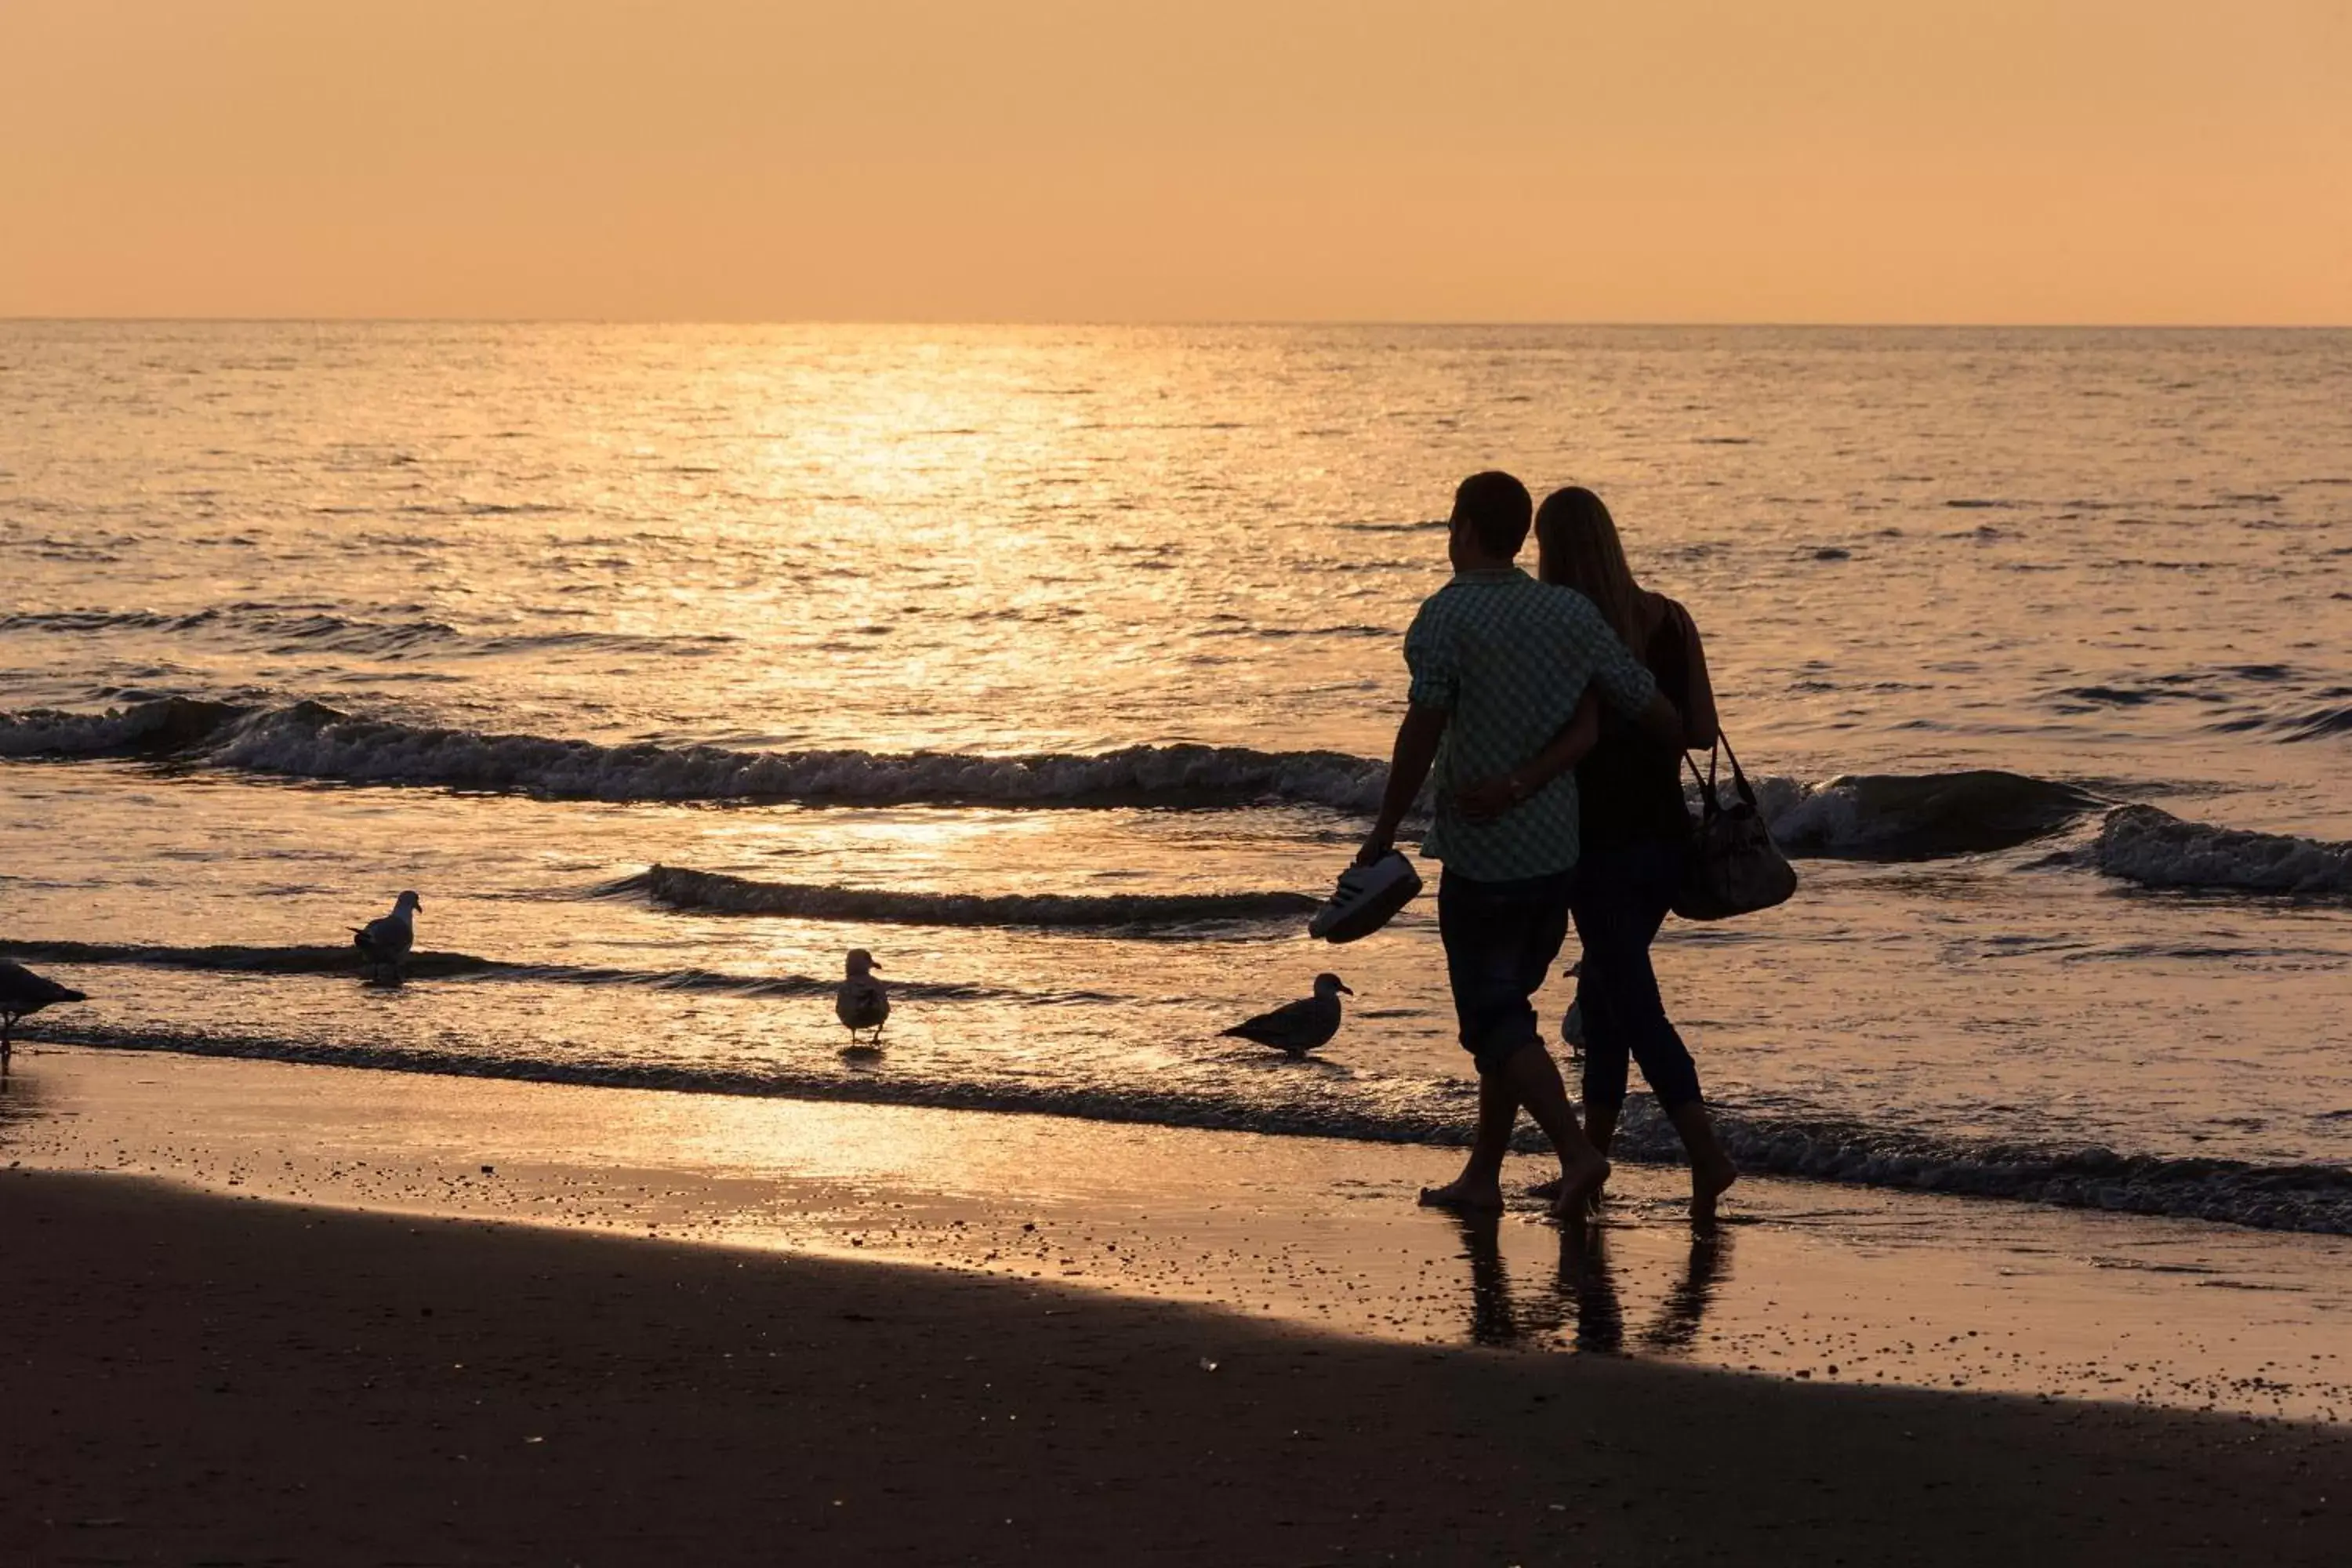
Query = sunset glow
x=2082 y=161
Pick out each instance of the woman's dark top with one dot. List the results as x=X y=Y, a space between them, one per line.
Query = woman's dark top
x=1631 y=787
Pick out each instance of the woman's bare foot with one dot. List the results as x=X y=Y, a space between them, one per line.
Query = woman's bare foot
x=1712 y=1171
x=1463 y=1195
x=1709 y=1181
x=1550 y=1193
x=1579 y=1189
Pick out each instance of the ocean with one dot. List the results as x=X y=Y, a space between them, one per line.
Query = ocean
x=1057 y=666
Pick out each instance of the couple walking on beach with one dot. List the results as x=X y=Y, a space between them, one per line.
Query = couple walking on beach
x=1548 y=812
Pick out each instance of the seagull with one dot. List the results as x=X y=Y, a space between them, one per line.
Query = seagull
x=385 y=942
x=861 y=1003
x=22 y=995
x=1572 y=1024
x=1296 y=1028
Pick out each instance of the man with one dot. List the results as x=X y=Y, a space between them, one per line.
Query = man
x=1499 y=665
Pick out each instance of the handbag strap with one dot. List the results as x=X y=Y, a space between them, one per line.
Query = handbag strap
x=1709 y=802
x=1739 y=775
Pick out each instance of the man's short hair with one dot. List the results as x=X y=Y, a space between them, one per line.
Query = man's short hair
x=1498 y=507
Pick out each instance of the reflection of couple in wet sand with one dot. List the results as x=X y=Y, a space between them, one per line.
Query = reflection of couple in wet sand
x=1582 y=1303
x=1549 y=812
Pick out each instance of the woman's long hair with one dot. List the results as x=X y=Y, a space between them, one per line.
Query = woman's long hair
x=1577 y=547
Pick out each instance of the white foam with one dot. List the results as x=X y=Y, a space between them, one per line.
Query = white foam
x=309 y=740
x=2157 y=849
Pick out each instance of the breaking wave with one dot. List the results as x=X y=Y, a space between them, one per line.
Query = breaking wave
x=2231 y=1192
x=2313 y=1198
x=163 y=727
x=1863 y=817
x=717 y=892
x=311 y=740
x=2157 y=849
x=1908 y=816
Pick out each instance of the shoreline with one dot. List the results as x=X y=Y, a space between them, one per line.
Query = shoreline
x=2298 y=1197
x=1810 y=1282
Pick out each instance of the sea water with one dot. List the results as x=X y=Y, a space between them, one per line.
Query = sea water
x=1057 y=666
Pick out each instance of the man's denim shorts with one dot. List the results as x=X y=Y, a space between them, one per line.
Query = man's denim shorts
x=1501 y=940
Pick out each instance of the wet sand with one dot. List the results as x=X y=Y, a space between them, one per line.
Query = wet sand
x=1814 y=1282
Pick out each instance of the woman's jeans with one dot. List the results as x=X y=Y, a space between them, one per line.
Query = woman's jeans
x=1622 y=894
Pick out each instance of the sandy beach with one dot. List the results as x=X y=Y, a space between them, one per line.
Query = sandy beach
x=201 y=1379
x=1812 y=1281
x=385 y=1366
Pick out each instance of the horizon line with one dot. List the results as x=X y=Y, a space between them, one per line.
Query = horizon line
x=1202 y=322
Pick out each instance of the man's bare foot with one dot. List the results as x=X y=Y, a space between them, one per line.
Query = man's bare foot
x=1578 y=1188
x=1708 y=1183
x=1463 y=1195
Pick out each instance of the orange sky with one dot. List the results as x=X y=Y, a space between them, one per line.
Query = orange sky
x=2137 y=161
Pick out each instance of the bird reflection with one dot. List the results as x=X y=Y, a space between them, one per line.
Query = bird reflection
x=1582 y=1306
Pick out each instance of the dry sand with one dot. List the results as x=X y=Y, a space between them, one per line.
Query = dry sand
x=201 y=1379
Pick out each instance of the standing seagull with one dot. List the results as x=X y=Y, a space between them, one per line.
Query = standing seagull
x=385 y=942
x=1296 y=1028
x=862 y=1003
x=22 y=994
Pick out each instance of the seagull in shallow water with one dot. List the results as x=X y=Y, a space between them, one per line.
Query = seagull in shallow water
x=22 y=994
x=384 y=942
x=1296 y=1028
x=862 y=1003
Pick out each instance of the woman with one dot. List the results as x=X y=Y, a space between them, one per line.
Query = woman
x=1636 y=833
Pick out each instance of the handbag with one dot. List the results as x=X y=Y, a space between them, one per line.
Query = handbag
x=1733 y=868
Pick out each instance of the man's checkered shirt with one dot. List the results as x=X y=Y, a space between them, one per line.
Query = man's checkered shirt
x=1508 y=658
